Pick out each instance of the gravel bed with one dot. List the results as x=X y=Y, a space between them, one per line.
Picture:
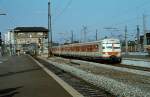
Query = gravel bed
x=116 y=68
x=111 y=85
x=136 y=80
x=125 y=75
x=134 y=71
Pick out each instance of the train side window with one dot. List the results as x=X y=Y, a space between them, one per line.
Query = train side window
x=96 y=46
x=116 y=47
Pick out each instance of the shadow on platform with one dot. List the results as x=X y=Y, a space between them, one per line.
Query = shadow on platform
x=9 y=92
x=23 y=71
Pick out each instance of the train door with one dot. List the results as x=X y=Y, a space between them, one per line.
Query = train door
x=104 y=49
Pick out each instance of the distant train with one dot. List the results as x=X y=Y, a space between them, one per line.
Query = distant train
x=106 y=49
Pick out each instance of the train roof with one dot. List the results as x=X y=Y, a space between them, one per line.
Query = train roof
x=80 y=43
x=110 y=40
x=93 y=42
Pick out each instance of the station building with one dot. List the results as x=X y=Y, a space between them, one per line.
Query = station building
x=30 y=40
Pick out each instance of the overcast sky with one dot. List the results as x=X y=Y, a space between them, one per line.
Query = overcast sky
x=70 y=15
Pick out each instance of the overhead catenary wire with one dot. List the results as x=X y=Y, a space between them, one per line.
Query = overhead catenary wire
x=63 y=10
x=127 y=10
x=129 y=20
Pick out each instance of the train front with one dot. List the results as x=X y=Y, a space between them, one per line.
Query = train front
x=111 y=50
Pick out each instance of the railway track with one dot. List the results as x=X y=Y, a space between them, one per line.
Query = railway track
x=127 y=66
x=111 y=64
x=119 y=81
x=132 y=67
x=115 y=71
x=80 y=85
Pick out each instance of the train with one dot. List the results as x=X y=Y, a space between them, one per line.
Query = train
x=107 y=49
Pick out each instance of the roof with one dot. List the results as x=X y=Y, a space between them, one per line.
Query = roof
x=30 y=29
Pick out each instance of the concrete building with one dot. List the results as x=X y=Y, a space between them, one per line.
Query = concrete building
x=8 y=41
x=30 y=40
x=6 y=38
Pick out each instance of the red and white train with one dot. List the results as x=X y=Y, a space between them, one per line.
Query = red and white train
x=106 y=49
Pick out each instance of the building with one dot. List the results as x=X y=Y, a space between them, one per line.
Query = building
x=30 y=39
x=147 y=40
x=8 y=41
x=6 y=38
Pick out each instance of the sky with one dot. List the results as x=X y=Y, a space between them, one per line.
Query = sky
x=72 y=15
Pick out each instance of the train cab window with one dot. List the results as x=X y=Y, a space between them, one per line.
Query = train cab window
x=109 y=47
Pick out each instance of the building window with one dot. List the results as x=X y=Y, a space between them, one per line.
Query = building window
x=148 y=41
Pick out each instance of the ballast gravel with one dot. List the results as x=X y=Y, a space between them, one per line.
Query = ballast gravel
x=115 y=87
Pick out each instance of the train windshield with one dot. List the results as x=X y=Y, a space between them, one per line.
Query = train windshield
x=111 y=46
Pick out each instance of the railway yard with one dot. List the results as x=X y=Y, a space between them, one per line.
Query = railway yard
x=26 y=75
x=127 y=79
x=74 y=48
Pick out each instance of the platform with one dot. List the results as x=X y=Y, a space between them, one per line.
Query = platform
x=20 y=76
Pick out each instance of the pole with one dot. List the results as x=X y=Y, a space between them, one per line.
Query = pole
x=49 y=30
x=96 y=35
x=84 y=31
x=72 y=36
x=126 y=41
x=10 y=45
x=138 y=38
x=144 y=31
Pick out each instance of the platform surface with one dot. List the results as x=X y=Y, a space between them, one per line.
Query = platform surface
x=20 y=76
